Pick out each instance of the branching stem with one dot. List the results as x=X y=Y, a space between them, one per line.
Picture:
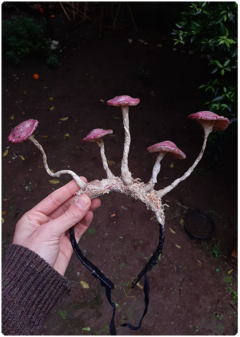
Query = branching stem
x=78 y=180
x=126 y=174
x=109 y=173
x=207 y=131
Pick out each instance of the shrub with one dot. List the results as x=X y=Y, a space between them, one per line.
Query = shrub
x=212 y=29
x=23 y=36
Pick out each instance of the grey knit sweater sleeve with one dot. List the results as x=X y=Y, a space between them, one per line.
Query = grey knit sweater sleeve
x=30 y=290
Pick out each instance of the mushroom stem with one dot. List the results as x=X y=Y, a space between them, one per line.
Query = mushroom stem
x=125 y=173
x=207 y=131
x=100 y=143
x=78 y=180
x=156 y=169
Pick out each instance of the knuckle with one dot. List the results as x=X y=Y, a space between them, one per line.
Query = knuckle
x=72 y=213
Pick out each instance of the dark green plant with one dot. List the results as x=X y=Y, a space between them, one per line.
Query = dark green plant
x=212 y=29
x=23 y=36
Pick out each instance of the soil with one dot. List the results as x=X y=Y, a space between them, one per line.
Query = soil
x=192 y=286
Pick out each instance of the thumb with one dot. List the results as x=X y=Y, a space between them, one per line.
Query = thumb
x=74 y=214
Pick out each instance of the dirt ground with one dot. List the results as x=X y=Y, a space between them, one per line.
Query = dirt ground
x=192 y=292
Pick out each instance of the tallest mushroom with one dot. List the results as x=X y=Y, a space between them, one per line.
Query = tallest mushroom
x=124 y=102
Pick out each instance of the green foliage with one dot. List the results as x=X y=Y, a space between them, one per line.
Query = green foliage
x=234 y=294
x=212 y=29
x=23 y=36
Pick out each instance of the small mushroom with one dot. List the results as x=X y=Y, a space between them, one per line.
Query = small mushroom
x=162 y=149
x=96 y=136
x=23 y=132
x=209 y=121
x=124 y=102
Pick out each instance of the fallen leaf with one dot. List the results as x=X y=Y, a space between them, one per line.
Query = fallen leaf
x=63 y=119
x=23 y=113
x=152 y=218
x=14 y=75
x=52 y=108
x=112 y=216
x=86 y=329
x=102 y=100
x=45 y=136
x=182 y=222
x=84 y=285
x=66 y=135
x=12 y=117
x=52 y=171
x=229 y=272
x=4 y=212
x=44 y=87
x=111 y=162
x=40 y=166
x=50 y=98
x=2 y=220
x=139 y=285
x=5 y=153
x=172 y=231
x=54 y=181
x=145 y=43
x=24 y=92
x=22 y=157
x=199 y=263
x=171 y=165
x=178 y=246
x=5 y=199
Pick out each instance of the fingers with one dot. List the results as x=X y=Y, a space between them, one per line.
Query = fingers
x=82 y=226
x=95 y=204
x=66 y=250
x=74 y=214
x=61 y=209
x=58 y=197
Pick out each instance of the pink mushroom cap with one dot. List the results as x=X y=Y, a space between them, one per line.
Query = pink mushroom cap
x=167 y=146
x=96 y=134
x=220 y=122
x=123 y=101
x=22 y=131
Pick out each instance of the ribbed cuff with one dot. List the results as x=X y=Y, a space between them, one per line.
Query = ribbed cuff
x=31 y=288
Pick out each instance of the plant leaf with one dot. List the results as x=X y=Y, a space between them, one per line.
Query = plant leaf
x=86 y=329
x=178 y=246
x=54 y=181
x=84 y=285
x=172 y=231
x=52 y=108
x=5 y=153
x=63 y=119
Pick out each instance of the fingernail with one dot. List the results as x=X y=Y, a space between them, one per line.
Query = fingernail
x=82 y=202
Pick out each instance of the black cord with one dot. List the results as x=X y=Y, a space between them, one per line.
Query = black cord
x=108 y=285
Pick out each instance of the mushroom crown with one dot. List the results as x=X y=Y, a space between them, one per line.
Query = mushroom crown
x=220 y=122
x=22 y=131
x=123 y=101
x=96 y=134
x=167 y=146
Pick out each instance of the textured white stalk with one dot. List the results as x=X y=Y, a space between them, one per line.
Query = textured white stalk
x=125 y=173
x=78 y=180
x=164 y=191
x=97 y=188
x=104 y=159
x=156 y=169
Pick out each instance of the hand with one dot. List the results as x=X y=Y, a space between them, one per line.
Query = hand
x=43 y=229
